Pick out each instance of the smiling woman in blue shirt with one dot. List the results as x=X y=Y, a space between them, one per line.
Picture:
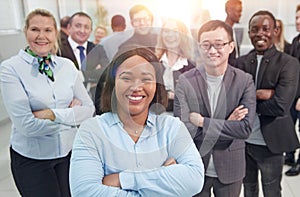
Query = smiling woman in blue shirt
x=131 y=149
x=46 y=101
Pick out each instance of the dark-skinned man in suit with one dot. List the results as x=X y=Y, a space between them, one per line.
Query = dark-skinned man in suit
x=276 y=76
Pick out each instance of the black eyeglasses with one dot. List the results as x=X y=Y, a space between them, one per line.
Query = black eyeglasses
x=217 y=45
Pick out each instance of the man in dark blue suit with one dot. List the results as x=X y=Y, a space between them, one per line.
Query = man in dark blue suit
x=80 y=29
x=94 y=59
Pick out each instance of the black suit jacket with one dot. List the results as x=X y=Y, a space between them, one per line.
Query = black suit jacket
x=295 y=47
x=294 y=50
x=280 y=72
x=63 y=36
x=66 y=51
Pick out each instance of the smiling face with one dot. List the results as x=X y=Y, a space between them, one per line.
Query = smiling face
x=279 y=29
x=41 y=35
x=170 y=35
x=261 y=32
x=99 y=34
x=215 y=59
x=80 y=29
x=135 y=86
x=142 y=22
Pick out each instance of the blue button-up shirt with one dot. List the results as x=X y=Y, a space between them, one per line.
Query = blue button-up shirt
x=24 y=90
x=103 y=147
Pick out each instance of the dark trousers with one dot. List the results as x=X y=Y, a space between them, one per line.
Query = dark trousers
x=220 y=189
x=295 y=115
x=36 y=178
x=260 y=158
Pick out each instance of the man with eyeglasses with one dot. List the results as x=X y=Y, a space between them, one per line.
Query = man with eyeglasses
x=276 y=76
x=141 y=19
x=217 y=104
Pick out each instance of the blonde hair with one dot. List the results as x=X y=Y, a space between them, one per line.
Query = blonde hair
x=45 y=13
x=101 y=27
x=186 y=41
x=281 y=40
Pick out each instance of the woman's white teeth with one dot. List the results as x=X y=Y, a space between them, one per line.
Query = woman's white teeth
x=135 y=97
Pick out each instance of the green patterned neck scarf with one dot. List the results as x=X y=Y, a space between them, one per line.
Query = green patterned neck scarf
x=44 y=63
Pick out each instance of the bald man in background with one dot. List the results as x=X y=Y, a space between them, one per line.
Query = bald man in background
x=233 y=9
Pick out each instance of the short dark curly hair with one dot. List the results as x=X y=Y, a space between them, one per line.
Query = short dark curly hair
x=263 y=12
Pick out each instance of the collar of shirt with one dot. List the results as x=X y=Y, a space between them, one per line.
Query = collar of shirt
x=74 y=44
x=34 y=60
x=76 y=51
x=149 y=123
x=180 y=63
